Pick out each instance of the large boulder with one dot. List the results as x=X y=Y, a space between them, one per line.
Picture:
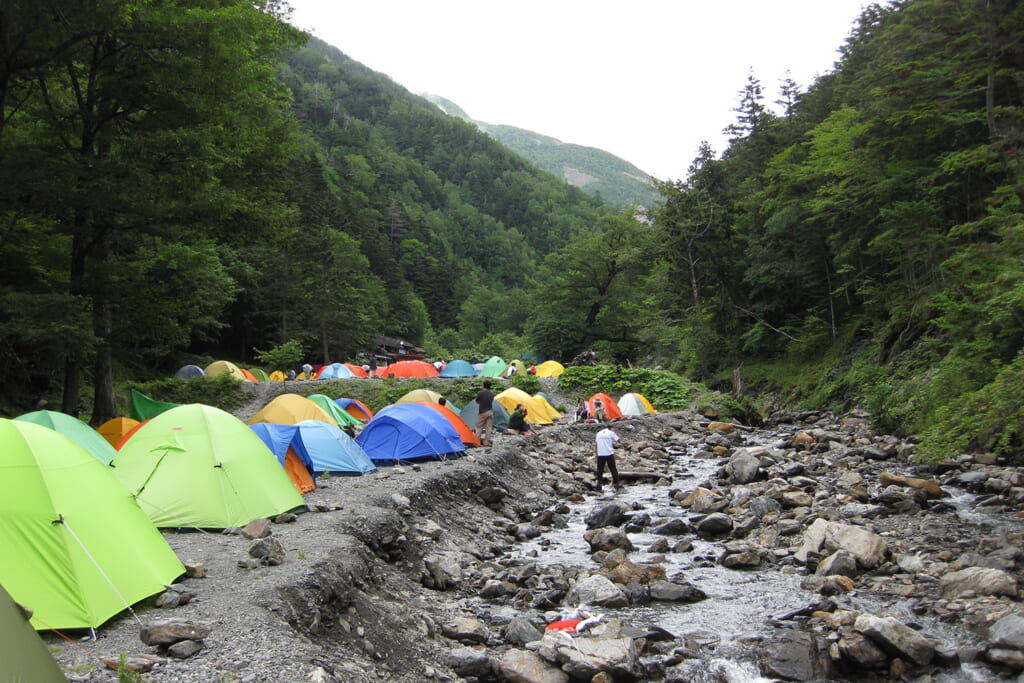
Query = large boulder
x=608 y=539
x=523 y=666
x=981 y=580
x=585 y=658
x=824 y=537
x=597 y=590
x=796 y=656
x=896 y=638
x=743 y=467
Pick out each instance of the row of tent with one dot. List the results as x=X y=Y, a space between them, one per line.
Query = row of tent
x=494 y=367
x=71 y=501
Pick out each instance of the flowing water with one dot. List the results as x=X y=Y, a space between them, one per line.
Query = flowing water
x=741 y=604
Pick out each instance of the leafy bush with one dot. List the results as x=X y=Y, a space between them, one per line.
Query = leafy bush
x=221 y=392
x=527 y=382
x=281 y=357
x=664 y=390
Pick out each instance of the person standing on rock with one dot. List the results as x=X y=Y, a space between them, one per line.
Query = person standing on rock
x=605 y=450
x=484 y=420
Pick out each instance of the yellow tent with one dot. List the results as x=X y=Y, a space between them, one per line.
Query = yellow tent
x=635 y=404
x=551 y=411
x=550 y=368
x=420 y=395
x=224 y=367
x=114 y=429
x=536 y=411
x=289 y=409
x=277 y=376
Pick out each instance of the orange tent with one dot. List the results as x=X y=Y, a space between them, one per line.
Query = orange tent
x=114 y=429
x=465 y=433
x=248 y=375
x=298 y=473
x=410 y=368
x=357 y=370
x=128 y=434
x=355 y=408
x=611 y=408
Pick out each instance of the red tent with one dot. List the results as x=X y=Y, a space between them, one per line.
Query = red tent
x=611 y=408
x=465 y=433
x=357 y=370
x=410 y=368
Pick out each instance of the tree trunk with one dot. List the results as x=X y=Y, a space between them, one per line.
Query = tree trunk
x=104 y=407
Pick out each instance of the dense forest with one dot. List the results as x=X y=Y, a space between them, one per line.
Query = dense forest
x=184 y=180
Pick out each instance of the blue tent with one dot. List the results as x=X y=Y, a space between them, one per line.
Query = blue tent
x=277 y=437
x=328 y=449
x=458 y=368
x=471 y=411
x=189 y=371
x=336 y=371
x=408 y=431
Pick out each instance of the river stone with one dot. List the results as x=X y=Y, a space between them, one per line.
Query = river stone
x=868 y=547
x=796 y=499
x=466 y=661
x=673 y=527
x=466 y=630
x=742 y=468
x=739 y=558
x=257 y=528
x=862 y=652
x=763 y=505
x=523 y=666
x=796 y=656
x=610 y=514
x=585 y=658
x=840 y=562
x=607 y=539
x=520 y=631
x=709 y=503
x=721 y=427
x=693 y=495
x=429 y=528
x=670 y=591
x=494 y=589
x=896 y=638
x=911 y=564
x=971 y=480
x=715 y=524
x=183 y=649
x=442 y=571
x=170 y=631
x=597 y=590
x=1008 y=632
x=981 y=580
x=931 y=488
x=1013 y=659
x=660 y=545
x=626 y=571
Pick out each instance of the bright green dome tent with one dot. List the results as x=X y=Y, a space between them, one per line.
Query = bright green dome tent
x=23 y=655
x=494 y=367
x=342 y=417
x=76 y=430
x=199 y=466
x=74 y=545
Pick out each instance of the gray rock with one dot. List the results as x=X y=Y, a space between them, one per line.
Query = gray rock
x=868 y=547
x=170 y=631
x=896 y=638
x=669 y=591
x=610 y=514
x=715 y=524
x=465 y=661
x=981 y=580
x=400 y=501
x=523 y=666
x=269 y=551
x=840 y=562
x=608 y=539
x=796 y=656
x=443 y=571
x=1013 y=659
x=742 y=468
x=491 y=495
x=585 y=658
x=520 y=631
x=673 y=527
x=466 y=630
x=862 y=652
x=494 y=589
x=763 y=505
x=184 y=649
x=597 y=590
x=1008 y=632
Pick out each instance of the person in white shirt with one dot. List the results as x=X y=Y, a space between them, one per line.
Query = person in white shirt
x=605 y=451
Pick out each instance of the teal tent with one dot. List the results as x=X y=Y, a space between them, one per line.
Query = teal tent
x=76 y=430
x=342 y=417
x=494 y=367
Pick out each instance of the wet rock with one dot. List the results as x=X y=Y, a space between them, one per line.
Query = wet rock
x=739 y=557
x=257 y=528
x=743 y=467
x=673 y=527
x=716 y=524
x=608 y=539
x=465 y=661
x=671 y=591
x=269 y=551
x=626 y=571
x=762 y=506
x=611 y=514
x=660 y=545
x=796 y=656
x=721 y=428
x=1008 y=632
x=466 y=630
x=932 y=489
x=868 y=547
x=828 y=585
x=170 y=631
x=861 y=652
x=980 y=580
x=585 y=658
x=523 y=666
x=896 y=638
x=840 y=562
x=520 y=631
x=494 y=589
x=597 y=590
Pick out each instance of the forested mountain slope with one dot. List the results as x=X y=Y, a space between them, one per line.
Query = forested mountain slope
x=595 y=171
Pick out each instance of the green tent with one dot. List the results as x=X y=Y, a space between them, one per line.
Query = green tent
x=342 y=417
x=494 y=367
x=144 y=408
x=260 y=374
x=73 y=542
x=199 y=466
x=23 y=655
x=76 y=430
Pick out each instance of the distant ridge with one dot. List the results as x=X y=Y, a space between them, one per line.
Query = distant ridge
x=595 y=171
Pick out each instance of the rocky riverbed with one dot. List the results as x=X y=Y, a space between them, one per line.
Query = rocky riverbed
x=444 y=570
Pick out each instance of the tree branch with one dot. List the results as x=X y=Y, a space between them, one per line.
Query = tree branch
x=764 y=322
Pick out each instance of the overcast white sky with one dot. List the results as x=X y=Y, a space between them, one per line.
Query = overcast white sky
x=646 y=80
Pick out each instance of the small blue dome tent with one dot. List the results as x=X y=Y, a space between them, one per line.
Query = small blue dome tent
x=458 y=368
x=328 y=449
x=336 y=371
x=189 y=371
x=407 y=431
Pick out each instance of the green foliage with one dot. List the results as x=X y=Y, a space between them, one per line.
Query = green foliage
x=281 y=357
x=527 y=382
x=126 y=674
x=220 y=392
x=664 y=390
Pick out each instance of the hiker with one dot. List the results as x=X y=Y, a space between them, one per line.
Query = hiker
x=605 y=452
x=373 y=366
x=582 y=412
x=485 y=404
x=517 y=421
x=307 y=371
x=532 y=370
x=599 y=413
